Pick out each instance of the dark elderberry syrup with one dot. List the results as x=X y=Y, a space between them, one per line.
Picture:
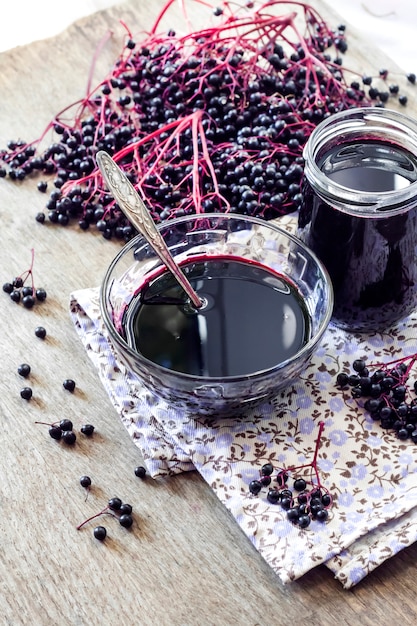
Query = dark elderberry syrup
x=359 y=216
x=252 y=319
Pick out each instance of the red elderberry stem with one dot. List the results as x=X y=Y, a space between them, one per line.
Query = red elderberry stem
x=105 y=511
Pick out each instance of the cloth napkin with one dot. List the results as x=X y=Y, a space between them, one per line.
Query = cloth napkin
x=371 y=474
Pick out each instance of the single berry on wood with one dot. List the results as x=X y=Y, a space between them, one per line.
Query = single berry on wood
x=100 y=533
x=87 y=429
x=85 y=481
x=24 y=370
x=69 y=384
x=140 y=471
x=26 y=393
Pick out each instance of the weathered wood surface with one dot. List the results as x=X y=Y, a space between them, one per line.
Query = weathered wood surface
x=186 y=562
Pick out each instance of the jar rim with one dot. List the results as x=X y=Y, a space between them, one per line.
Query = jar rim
x=347 y=126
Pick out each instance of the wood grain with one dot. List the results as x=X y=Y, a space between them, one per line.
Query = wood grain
x=185 y=562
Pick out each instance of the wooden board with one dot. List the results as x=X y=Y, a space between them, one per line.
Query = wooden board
x=186 y=562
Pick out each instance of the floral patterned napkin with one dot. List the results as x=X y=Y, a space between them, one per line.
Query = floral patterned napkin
x=371 y=474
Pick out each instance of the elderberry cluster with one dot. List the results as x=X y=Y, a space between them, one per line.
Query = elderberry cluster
x=199 y=123
x=63 y=430
x=386 y=393
x=20 y=291
x=26 y=294
x=115 y=507
x=302 y=504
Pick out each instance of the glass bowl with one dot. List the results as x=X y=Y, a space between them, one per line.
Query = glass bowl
x=208 y=236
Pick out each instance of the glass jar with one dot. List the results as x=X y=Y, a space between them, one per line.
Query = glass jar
x=359 y=213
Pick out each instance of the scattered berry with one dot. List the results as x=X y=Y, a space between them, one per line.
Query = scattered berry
x=40 y=332
x=24 y=370
x=100 y=533
x=140 y=471
x=26 y=393
x=85 y=481
x=87 y=429
x=69 y=384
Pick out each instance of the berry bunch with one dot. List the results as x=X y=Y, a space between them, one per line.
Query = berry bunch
x=63 y=430
x=311 y=501
x=115 y=507
x=211 y=120
x=19 y=291
x=388 y=396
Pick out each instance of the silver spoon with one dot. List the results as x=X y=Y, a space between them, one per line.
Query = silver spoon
x=135 y=210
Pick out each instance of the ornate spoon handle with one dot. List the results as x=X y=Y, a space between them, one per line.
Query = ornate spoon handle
x=135 y=210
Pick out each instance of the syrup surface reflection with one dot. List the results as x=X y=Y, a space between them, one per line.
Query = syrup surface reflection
x=252 y=319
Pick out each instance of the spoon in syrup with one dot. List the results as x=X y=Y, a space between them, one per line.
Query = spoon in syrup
x=135 y=210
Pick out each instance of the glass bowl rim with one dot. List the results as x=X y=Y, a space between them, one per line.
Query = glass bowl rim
x=212 y=380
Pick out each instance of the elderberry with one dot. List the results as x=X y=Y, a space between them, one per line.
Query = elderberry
x=140 y=471
x=126 y=520
x=55 y=432
x=386 y=394
x=24 y=370
x=40 y=332
x=69 y=437
x=250 y=108
x=309 y=503
x=21 y=292
x=100 y=533
x=87 y=429
x=26 y=393
x=115 y=503
x=69 y=384
x=85 y=481
x=66 y=425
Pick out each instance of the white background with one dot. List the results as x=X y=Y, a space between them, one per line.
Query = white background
x=390 y=24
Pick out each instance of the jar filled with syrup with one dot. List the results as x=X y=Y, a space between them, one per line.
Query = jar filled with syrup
x=359 y=213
